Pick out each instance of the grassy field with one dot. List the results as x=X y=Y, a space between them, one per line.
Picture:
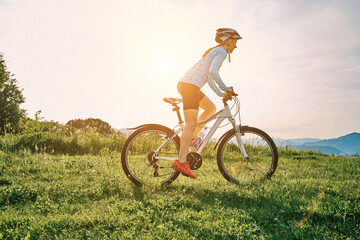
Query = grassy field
x=311 y=196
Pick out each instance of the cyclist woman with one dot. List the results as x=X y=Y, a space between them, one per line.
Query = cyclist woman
x=206 y=70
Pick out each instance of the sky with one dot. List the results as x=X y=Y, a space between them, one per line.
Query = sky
x=296 y=70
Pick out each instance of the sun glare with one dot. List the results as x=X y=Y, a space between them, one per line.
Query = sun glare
x=163 y=64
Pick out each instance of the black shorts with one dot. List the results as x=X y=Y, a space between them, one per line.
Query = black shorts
x=191 y=95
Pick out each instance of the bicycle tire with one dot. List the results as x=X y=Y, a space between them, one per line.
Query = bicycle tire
x=258 y=145
x=136 y=154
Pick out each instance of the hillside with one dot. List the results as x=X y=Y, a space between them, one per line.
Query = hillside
x=299 y=141
x=310 y=196
x=348 y=145
x=322 y=149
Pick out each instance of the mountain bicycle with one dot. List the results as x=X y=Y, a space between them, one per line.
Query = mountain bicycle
x=244 y=153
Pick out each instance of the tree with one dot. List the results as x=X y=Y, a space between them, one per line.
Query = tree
x=10 y=99
x=90 y=124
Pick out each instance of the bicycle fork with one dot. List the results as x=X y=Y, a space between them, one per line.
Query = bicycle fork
x=238 y=138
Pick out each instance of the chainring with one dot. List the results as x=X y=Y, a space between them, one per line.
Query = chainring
x=194 y=159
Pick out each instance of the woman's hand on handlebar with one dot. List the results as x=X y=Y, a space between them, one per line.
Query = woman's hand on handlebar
x=229 y=93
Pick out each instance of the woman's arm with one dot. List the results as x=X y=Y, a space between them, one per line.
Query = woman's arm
x=214 y=74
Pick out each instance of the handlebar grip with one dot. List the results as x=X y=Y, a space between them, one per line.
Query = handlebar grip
x=231 y=92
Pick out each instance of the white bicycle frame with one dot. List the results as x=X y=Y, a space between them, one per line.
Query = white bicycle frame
x=221 y=116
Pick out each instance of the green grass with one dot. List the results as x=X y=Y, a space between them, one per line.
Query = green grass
x=310 y=196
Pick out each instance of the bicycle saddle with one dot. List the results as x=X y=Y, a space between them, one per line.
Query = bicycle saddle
x=172 y=100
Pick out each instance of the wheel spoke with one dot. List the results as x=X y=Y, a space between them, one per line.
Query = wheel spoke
x=139 y=157
x=260 y=148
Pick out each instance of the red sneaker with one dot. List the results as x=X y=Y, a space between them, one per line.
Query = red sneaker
x=184 y=168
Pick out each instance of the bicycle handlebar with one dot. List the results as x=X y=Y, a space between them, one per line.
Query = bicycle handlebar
x=229 y=95
x=231 y=92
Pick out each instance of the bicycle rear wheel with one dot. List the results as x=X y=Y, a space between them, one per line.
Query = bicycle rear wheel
x=261 y=150
x=139 y=158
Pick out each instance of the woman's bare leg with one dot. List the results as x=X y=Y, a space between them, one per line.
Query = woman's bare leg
x=191 y=117
x=209 y=109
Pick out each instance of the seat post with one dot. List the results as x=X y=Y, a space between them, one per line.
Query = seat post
x=176 y=109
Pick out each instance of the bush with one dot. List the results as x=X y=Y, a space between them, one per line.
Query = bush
x=54 y=138
x=29 y=126
x=57 y=143
x=88 y=125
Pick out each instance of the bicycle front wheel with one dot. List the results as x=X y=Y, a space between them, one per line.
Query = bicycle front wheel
x=143 y=162
x=262 y=152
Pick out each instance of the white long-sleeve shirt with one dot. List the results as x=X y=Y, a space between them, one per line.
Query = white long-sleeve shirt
x=206 y=70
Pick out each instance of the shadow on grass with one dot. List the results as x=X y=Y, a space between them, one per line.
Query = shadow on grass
x=273 y=214
x=138 y=192
x=276 y=210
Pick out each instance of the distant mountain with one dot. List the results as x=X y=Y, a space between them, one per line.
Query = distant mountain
x=348 y=145
x=299 y=141
x=322 y=149
x=125 y=131
x=292 y=142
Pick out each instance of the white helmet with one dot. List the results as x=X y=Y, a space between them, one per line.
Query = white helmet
x=223 y=34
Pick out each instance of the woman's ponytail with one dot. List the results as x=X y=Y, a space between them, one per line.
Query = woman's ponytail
x=207 y=51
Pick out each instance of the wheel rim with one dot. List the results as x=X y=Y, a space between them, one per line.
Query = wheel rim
x=140 y=161
x=260 y=165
